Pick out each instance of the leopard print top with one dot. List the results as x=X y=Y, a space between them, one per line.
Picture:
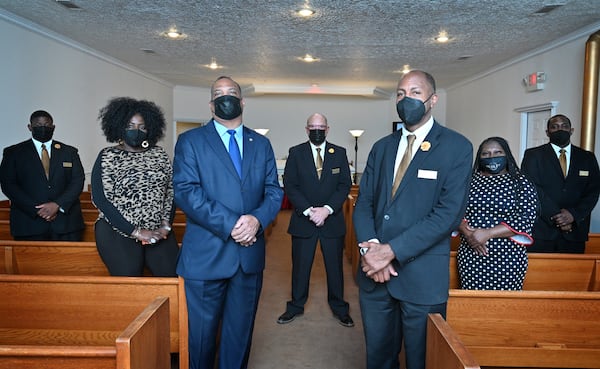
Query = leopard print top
x=139 y=185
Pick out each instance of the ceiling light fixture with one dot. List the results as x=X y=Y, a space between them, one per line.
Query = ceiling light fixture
x=213 y=64
x=405 y=69
x=309 y=58
x=174 y=34
x=442 y=37
x=306 y=12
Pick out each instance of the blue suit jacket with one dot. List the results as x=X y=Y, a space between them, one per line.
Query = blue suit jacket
x=213 y=197
x=418 y=221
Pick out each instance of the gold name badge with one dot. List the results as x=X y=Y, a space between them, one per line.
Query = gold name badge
x=335 y=171
x=67 y=164
x=584 y=173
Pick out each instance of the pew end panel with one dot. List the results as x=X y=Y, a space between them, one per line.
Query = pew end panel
x=444 y=347
x=144 y=344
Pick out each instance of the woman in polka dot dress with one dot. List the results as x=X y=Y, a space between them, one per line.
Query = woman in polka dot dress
x=501 y=210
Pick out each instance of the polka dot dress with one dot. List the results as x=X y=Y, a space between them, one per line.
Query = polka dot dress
x=494 y=200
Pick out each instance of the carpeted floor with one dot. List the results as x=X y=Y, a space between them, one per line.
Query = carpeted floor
x=314 y=340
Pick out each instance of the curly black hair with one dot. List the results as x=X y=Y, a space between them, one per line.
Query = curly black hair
x=115 y=117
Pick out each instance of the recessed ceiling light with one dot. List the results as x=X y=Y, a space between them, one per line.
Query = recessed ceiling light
x=174 y=34
x=213 y=64
x=309 y=58
x=306 y=12
x=442 y=37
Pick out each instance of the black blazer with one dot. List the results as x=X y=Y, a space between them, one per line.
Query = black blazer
x=304 y=189
x=578 y=192
x=24 y=182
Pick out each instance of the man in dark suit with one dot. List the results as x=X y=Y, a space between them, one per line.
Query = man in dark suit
x=43 y=179
x=317 y=181
x=412 y=196
x=567 y=196
x=225 y=181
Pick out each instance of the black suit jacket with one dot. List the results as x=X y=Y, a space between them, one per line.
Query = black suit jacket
x=304 y=189
x=24 y=182
x=417 y=222
x=578 y=192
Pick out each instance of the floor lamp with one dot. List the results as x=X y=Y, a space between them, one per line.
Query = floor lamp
x=356 y=133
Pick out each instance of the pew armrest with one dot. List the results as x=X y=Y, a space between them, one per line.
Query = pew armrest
x=144 y=344
x=444 y=347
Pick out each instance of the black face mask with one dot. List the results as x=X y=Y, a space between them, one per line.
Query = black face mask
x=316 y=136
x=42 y=133
x=227 y=107
x=560 y=138
x=135 y=137
x=410 y=110
x=492 y=165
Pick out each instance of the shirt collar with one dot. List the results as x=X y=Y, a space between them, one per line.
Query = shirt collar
x=557 y=148
x=420 y=132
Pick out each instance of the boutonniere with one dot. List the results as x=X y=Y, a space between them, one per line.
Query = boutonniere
x=331 y=150
x=425 y=146
x=57 y=146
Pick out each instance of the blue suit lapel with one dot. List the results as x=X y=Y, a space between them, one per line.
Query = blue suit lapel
x=216 y=144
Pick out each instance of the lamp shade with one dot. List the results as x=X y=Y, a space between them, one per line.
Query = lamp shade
x=356 y=132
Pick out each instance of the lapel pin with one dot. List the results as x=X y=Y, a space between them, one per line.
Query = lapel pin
x=425 y=146
x=57 y=146
x=331 y=150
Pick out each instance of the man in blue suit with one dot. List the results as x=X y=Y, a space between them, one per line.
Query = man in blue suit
x=412 y=195
x=225 y=181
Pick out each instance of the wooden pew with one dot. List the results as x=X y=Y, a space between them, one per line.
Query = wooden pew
x=553 y=272
x=36 y=335
x=114 y=300
x=533 y=329
x=592 y=246
x=88 y=231
x=444 y=347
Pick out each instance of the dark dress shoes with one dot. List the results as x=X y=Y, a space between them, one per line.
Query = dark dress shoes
x=345 y=320
x=288 y=317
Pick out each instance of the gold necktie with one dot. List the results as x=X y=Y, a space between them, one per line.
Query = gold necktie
x=563 y=161
x=403 y=163
x=319 y=162
x=46 y=161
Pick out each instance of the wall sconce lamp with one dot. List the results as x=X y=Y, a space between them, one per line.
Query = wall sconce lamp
x=356 y=133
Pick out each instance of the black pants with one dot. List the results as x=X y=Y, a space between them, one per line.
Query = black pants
x=124 y=256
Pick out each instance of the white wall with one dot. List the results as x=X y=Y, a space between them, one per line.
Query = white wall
x=485 y=106
x=40 y=70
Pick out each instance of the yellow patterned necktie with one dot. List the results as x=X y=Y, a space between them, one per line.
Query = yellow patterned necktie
x=46 y=161
x=319 y=162
x=563 y=161
x=406 y=158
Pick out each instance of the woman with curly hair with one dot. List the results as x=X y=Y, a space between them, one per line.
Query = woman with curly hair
x=133 y=190
x=498 y=221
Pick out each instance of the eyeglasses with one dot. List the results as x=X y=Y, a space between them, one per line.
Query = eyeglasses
x=322 y=128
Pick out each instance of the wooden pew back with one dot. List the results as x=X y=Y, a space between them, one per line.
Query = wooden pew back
x=143 y=344
x=107 y=305
x=552 y=272
x=558 y=329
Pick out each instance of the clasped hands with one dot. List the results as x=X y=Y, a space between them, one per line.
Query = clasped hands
x=318 y=215
x=477 y=238
x=48 y=211
x=564 y=220
x=376 y=261
x=245 y=229
x=146 y=236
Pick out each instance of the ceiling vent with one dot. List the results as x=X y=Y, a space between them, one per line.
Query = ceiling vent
x=68 y=4
x=148 y=51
